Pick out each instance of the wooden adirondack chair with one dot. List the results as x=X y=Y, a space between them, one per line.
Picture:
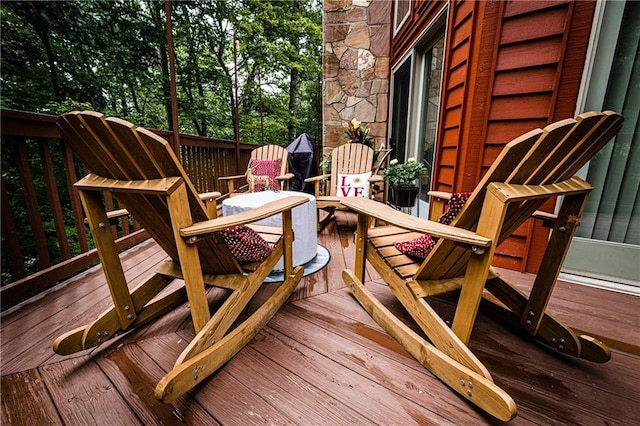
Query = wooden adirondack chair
x=350 y=159
x=264 y=153
x=530 y=169
x=142 y=171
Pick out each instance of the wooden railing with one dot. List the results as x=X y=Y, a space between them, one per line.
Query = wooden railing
x=44 y=238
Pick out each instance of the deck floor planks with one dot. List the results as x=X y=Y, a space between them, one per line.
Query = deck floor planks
x=226 y=398
x=47 y=322
x=309 y=343
x=26 y=401
x=290 y=393
x=83 y=394
x=370 y=398
x=400 y=374
x=135 y=374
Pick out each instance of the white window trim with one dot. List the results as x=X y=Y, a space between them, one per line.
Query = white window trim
x=397 y=25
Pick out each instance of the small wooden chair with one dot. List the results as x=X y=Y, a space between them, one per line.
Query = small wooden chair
x=265 y=153
x=142 y=171
x=530 y=170
x=349 y=161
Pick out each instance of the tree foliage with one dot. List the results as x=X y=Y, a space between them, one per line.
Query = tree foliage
x=113 y=57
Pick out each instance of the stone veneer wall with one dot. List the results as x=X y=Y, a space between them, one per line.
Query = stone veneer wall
x=355 y=67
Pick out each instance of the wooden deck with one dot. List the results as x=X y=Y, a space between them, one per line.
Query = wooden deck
x=320 y=361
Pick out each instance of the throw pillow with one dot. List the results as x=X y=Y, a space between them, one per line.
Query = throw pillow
x=270 y=168
x=245 y=244
x=353 y=185
x=420 y=247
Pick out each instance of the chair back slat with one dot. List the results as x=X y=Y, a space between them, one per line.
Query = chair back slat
x=272 y=152
x=350 y=158
x=116 y=149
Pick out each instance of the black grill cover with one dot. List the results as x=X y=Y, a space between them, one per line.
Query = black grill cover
x=301 y=163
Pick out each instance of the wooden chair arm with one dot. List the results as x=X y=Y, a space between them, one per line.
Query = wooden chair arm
x=548 y=219
x=209 y=226
x=232 y=177
x=394 y=217
x=285 y=176
x=209 y=199
x=205 y=196
x=438 y=203
x=317 y=178
x=113 y=216
x=376 y=179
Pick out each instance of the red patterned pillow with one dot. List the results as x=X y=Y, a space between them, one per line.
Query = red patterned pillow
x=420 y=247
x=270 y=168
x=245 y=244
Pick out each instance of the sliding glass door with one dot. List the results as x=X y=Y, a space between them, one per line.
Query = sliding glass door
x=607 y=243
x=415 y=109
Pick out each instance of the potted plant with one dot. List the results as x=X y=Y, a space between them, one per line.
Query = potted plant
x=356 y=132
x=401 y=179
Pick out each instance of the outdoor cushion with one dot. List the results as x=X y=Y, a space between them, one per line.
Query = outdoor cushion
x=245 y=244
x=420 y=247
x=353 y=185
x=270 y=168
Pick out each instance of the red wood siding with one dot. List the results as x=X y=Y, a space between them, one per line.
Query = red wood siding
x=509 y=67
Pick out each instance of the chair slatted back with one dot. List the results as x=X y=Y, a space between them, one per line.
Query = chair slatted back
x=350 y=158
x=540 y=157
x=272 y=152
x=116 y=149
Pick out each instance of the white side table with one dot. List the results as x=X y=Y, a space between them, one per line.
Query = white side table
x=305 y=243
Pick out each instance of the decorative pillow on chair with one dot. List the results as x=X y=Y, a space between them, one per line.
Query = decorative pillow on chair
x=245 y=244
x=356 y=185
x=270 y=168
x=420 y=247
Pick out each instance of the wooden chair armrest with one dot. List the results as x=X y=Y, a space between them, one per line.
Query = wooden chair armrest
x=548 y=219
x=113 y=215
x=285 y=176
x=317 y=178
x=438 y=203
x=394 y=217
x=440 y=195
x=231 y=177
x=209 y=226
x=205 y=196
x=210 y=203
x=376 y=179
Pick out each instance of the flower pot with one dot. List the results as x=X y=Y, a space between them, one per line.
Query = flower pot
x=403 y=196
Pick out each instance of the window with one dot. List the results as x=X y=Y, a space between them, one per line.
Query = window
x=415 y=108
x=401 y=13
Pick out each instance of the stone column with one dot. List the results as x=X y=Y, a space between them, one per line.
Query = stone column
x=355 y=67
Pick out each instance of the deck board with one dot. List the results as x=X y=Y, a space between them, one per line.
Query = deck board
x=320 y=360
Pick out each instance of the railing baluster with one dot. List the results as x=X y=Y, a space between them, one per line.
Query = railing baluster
x=12 y=243
x=76 y=205
x=54 y=199
x=31 y=203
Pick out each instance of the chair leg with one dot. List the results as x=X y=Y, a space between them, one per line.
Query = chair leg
x=224 y=317
x=194 y=370
x=551 y=330
x=324 y=217
x=107 y=325
x=442 y=337
x=564 y=228
x=489 y=225
x=477 y=389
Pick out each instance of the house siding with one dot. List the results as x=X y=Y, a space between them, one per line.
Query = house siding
x=509 y=67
